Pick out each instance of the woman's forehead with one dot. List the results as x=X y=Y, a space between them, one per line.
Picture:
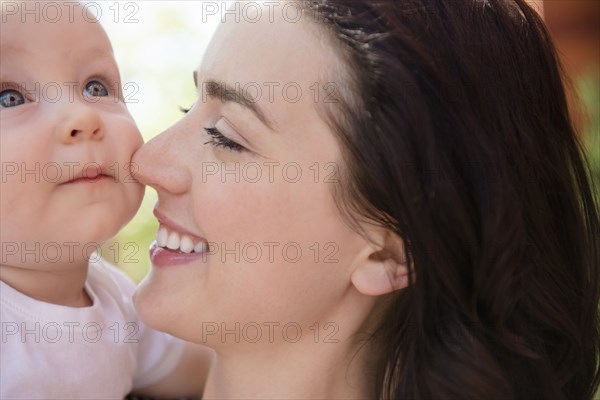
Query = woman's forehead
x=277 y=50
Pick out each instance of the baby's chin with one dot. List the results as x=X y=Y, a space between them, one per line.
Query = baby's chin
x=130 y=206
x=101 y=221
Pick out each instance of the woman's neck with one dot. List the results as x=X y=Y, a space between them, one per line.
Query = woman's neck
x=304 y=370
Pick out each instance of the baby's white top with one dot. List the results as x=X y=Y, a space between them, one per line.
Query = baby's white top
x=48 y=351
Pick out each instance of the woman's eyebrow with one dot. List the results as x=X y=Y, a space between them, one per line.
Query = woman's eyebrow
x=229 y=93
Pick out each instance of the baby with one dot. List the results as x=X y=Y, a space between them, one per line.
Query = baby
x=66 y=139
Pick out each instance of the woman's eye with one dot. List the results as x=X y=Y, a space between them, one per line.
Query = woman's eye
x=11 y=98
x=218 y=140
x=95 y=89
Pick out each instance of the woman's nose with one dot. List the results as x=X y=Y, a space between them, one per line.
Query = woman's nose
x=160 y=163
x=80 y=121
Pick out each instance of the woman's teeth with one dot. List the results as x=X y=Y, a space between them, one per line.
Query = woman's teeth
x=177 y=241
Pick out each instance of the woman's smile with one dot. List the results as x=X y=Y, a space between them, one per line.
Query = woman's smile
x=175 y=245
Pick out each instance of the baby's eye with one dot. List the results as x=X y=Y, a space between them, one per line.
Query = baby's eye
x=95 y=89
x=11 y=98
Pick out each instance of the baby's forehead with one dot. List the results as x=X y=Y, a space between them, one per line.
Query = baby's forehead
x=25 y=26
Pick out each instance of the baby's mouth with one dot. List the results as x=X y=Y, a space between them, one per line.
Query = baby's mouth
x=89 y=179
x=89 y=174
x=177 y=241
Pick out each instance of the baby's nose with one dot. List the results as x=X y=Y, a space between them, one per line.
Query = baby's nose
x=80 y=122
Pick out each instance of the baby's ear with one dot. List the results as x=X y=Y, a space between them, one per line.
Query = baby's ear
x=385 y=270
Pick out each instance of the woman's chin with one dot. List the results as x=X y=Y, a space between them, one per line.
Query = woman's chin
x=151 y=306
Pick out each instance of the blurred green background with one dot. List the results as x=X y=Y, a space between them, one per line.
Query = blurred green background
x=588 y=89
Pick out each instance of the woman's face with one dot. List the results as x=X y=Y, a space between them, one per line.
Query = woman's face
x=278 y=249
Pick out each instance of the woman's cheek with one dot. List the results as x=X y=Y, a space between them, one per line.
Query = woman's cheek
x=272 y=222
x=229 y=209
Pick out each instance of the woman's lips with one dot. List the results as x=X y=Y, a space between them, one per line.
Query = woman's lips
x=174 y=227
x=174 y=240
x=175 y=245
x=165 y=257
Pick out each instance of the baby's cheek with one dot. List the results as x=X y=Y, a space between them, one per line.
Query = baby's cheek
x=134 y=139
x=122 y=145
x=135 y=195
x=131 y=192
x=126 y=132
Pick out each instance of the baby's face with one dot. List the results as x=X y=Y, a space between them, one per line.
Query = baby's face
x=66 y=141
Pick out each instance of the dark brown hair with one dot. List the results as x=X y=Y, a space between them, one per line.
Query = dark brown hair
x=456 y=136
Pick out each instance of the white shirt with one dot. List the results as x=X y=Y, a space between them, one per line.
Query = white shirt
x=49 y=351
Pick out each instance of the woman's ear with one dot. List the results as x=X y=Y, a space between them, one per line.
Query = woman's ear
x=385 y=270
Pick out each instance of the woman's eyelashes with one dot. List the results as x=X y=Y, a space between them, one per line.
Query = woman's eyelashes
x=217 y=139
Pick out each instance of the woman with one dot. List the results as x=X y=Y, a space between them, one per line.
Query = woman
x=380 y=199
